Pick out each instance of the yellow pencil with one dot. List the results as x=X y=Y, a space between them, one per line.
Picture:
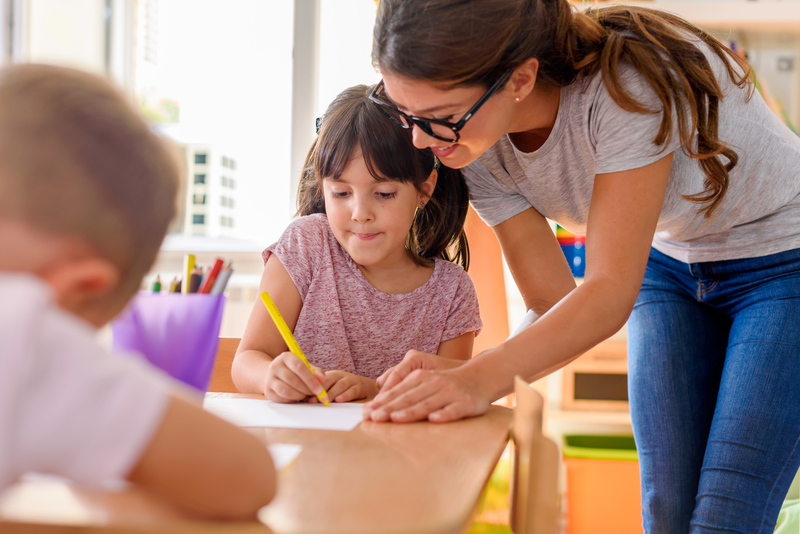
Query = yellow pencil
x=291 y=342
x=188 y=267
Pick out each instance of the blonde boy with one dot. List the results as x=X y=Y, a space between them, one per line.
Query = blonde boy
x=86 y=194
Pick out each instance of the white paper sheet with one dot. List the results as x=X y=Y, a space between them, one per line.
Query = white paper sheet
x=263 y=413
x=283 y=453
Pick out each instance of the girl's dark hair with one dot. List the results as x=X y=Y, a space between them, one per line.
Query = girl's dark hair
x=351 y=125
x=473 y=42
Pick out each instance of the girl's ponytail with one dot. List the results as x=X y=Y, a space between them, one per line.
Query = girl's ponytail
x=438 y=228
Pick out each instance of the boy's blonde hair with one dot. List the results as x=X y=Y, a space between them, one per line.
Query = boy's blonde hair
x=77 y=160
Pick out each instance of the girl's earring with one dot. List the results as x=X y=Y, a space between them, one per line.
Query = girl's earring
x=516 y=99
x=422 y=205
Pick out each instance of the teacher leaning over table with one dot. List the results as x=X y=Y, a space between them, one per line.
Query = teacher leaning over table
x=644 y=132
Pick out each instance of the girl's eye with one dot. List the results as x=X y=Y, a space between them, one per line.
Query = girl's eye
x=449 y=118
x=337 y=194
x=387 y=196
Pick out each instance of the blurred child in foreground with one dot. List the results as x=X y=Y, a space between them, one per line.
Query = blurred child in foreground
x=86 y=194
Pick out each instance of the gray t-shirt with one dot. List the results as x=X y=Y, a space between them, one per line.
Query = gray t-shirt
x=759 y=215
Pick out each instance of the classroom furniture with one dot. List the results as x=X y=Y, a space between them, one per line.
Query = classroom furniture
x=221 y=381
x=534 y=496
x=380 y=477
x=603 y=488
x=598 y=380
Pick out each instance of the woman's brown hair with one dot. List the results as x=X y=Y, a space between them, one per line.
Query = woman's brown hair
x=353 y=125
x=473 y=42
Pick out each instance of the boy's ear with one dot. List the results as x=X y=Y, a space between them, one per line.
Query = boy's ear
x=428 y=186
x=79 y=281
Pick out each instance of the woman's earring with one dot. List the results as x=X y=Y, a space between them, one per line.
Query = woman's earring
x=422 y=205
x=516 y=99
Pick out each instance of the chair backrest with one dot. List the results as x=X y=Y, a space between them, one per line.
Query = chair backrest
x=221 y=381
x=534 y=476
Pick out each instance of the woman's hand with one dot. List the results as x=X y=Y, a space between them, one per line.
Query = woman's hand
x=289 y=380
x=425 y=386
x=345 y=387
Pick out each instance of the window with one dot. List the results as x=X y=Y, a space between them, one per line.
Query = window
x=199 y=199
x=200 y=158
x=230 y=222
x=198 y=218
x=230 y=202
x=199 y=178
x=224 y=181
x=224 y=161
x=224 y=202
x=232 y=164
x=231 y=183
x=223 y=221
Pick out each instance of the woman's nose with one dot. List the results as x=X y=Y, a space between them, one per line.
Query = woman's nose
x=420 y=138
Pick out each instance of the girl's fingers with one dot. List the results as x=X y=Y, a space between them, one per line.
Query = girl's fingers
x=340 y=387
x=309 y=379
x=290 y=378
x=350 y=394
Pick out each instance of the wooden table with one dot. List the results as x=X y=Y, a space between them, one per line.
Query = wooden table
x=378 y=478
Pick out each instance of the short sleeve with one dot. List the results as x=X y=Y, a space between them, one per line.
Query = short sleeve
x=465 y=314
x=494 y=201
x=624 y=140
x=299 y=248
x=81 y=412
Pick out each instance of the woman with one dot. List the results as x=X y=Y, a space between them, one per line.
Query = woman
x=642 y=131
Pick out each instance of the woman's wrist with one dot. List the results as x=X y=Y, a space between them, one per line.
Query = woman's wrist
x=481 y=375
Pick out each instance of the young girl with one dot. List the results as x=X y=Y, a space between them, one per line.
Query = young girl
x=363 y=276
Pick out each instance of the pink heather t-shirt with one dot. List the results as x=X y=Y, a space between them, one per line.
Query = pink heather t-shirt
x=348 y=325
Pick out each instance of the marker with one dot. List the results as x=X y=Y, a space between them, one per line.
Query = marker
x=287 y=336
x=157 y=285
x=188 y=267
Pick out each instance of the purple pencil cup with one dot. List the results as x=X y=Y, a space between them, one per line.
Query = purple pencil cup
x=176 y=333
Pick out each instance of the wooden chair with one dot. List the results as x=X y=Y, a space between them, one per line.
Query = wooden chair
x=221 y=381
x=534 y=476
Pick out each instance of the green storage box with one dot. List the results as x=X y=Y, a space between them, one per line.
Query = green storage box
x=600 y=447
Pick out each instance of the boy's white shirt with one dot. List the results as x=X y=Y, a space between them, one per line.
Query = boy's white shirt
x=67 y=406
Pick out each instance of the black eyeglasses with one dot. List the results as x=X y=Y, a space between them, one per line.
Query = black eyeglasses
x=440 y=129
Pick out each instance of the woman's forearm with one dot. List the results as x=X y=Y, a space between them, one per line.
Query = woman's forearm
x=590 y=313
x=249 y=371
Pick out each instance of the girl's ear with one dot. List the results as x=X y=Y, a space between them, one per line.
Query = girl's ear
x=428 y=186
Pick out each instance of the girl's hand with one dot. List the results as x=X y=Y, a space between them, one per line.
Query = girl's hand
x=346 y=387
x=289 y=380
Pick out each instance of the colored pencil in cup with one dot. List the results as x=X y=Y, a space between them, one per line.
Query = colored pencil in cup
x=188 y=267
x=211 y=277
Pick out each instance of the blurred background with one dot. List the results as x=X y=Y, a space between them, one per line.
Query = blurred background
x=237 y=84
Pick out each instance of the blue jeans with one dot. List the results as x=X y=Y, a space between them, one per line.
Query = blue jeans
x=714 y=385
